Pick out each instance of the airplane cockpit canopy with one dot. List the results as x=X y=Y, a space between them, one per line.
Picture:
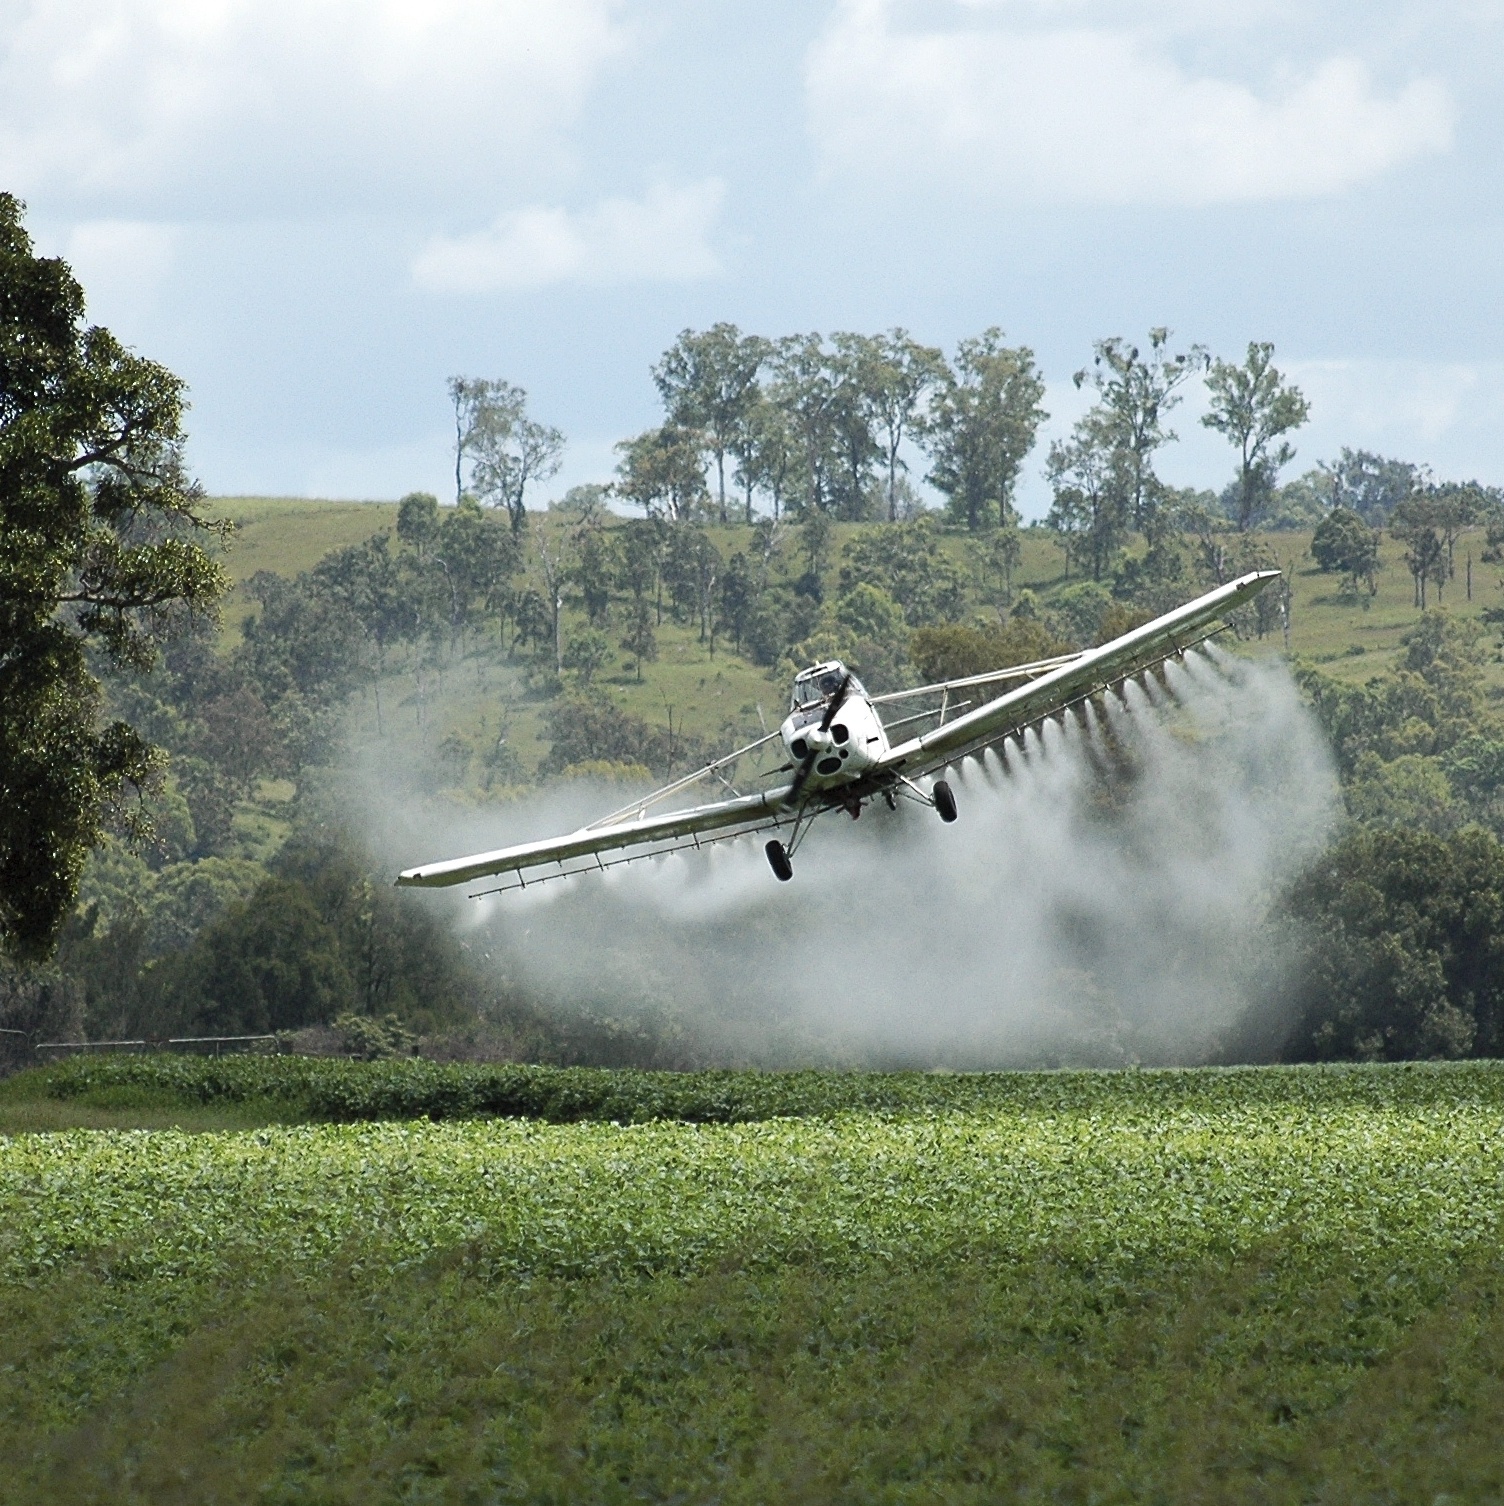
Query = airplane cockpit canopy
x=817 y=684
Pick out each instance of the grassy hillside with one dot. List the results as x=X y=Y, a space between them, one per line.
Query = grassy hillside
x=1262 y=1285
x=721 y=696
x=288 y=534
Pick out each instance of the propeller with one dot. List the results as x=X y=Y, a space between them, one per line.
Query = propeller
x=831 y=711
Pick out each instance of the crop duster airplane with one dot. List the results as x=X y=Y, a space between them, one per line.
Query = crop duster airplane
x=836 y=750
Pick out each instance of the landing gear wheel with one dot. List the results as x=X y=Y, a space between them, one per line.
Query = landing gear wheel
x=778 y=860
x=945 y=802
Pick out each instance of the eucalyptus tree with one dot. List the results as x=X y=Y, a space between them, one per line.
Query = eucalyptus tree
x=708 y=380
x=508 y=450
x=804 y=389
x=856 y=372
x=1253 y=407
x=766 y=455
x=1372 y=485
x=1089 y=514
x=898 y=384
x=981 y=424
x=660 y=472
x=1344 y=544
x=105 y=551
x=1135 y=391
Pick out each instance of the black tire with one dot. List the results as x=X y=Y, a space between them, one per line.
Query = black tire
x=945 y=802
x=778 y=861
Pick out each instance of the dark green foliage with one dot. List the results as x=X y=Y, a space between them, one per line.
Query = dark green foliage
x=1430 y=702
x=585 y=730
x=596 y=730
x=982 y=422
x=905 y=561
x=955 y=652
x=1253 y=408
x=1405 y=948
x=329 y=1089
x=222 y=948
x=418 y=521
x=1343 y=544
x=272 y=963
x=101 y=549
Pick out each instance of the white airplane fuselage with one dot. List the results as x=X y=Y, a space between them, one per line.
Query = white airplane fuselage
x=853 y=742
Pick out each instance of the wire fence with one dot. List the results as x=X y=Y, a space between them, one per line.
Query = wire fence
x=20 y=1043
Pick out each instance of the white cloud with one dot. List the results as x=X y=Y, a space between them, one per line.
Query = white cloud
x=275 y=105
x=1100 y=114
x=663 y=237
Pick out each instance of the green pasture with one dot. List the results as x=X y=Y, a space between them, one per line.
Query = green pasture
x=462 y=705
x=286 y=535
x=1254 y=1285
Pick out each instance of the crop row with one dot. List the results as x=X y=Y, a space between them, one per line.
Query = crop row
x=592 y=1199
x=341 y=1091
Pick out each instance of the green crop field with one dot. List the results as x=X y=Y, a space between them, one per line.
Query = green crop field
x=1254 y=1285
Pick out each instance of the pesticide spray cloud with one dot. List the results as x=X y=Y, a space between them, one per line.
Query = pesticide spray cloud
x=1102 y=899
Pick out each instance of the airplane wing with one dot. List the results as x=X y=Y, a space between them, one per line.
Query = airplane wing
x=641 y=827
x=721 y=818
x=1055 y=685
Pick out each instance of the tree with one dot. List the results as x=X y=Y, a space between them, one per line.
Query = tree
x=1344 y=544
x=1090 y=512
x=896 y=382
x=855 y=369
x=593 y=570
x=102 y=557
x=954 y=652
x=418 y=520
x=691 y=568
x=1414 y=522
x=765 y=454
x=804 y=391
x=587 y=652
x=478 y=555
x=739 y=594
x=661 y=472
x=1371 y=485
x=378 y=593
x=1252 y=406
x=815 y=537
x=471 y=397
x=509 y=451
x=708 y=382
x=1454 y=507
x=1127 y=424
x=906 y=562
x=981 y=425
x=641 y=637
x=638 y=547
x=995 y=564
x=1404 y=950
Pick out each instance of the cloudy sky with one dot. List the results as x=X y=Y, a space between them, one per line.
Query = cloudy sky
x=317 y=210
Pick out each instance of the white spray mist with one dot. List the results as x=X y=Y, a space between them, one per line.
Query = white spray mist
x=1061 y=920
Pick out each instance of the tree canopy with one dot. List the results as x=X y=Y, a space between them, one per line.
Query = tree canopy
x=102 y=555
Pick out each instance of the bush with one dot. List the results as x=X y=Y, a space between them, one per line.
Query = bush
x=1403 y=950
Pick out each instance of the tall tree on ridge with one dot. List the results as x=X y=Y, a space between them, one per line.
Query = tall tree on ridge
x=1253 y=406
x=1134 y=393
x=509 y=451
x=708 y=382
x=805 y=392
x=903 y=373
x=981 y=425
